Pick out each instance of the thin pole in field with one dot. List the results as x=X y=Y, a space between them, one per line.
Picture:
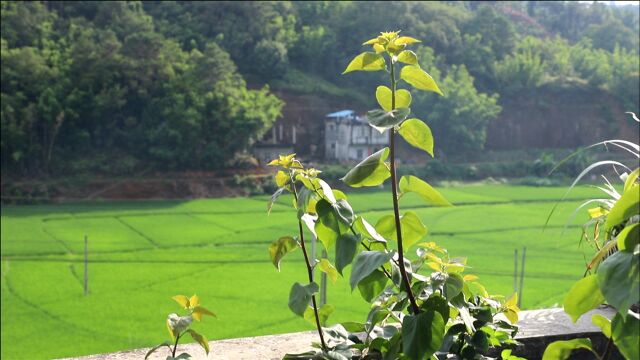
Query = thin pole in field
x=515 y=271
x=524 y=257
x=86 y=266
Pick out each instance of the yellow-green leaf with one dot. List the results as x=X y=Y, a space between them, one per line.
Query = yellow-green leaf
x=409 y=183
x=561 y=350
x=408 y=57
x=282 y=178
x=327 y=268
x=603 y=323
x=371 y=42
x=194 y=301
x=383 y=95
x=198 y=311
x=323 y=314
x=406 y=40
x=583 y=296
x=413 y=230
x=371 y=171
x=418 y=134
x=419 y=79
x=182 y=300
x=627 y=206
x=628 y=238
x=631 y=179
x=200 y=339
x=281 y=247
x=597 y=212
x=378 y=48
x=367 y=61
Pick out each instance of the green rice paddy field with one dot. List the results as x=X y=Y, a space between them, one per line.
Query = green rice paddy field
x=142 y=253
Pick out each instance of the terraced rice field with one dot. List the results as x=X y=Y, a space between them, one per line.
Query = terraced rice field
x=142 y=253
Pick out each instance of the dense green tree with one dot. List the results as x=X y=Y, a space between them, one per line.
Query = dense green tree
x=460 y=117
x=612 y=33
x=206 y=113
x=162 y=83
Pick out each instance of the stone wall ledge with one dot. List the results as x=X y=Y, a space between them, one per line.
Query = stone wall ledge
x=537 y=329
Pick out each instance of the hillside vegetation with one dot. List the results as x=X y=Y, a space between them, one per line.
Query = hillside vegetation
x=124 y=87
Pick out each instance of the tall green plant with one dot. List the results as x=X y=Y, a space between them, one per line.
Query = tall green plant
x=430 y=308
x=613 y=273
x=420 y=306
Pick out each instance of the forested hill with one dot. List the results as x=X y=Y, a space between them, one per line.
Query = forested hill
x=122 y=87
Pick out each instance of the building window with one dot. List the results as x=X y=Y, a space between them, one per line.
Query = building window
x=359 y=153
x=333 y=145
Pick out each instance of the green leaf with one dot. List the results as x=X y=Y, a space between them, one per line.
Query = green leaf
x=383 y=95
x=422 y=334
x=372 y=285
x=408 y=57
x=419 y=79
x=365 y=263
x=603 y=323
x=371 y=171
x=306 y=202
x=376 y=315
x=453 y=285
x=327 y=191
x=409 y=183
x=583 y=296
x=367 y=61
x=561 y=350
x=406 y=40
x=281 y=247
x=328 y=268
x=383 y=120
x=200 y=339
x=480 y=341
x=346 y=247
x=627 y=206
x=344 y=211
x=625 y=332
x=323 y=314
x=351 y=326
x=154 y=349
x=417 y=134
x=437 y=303
x=328 y=225
x=413 y=230
x=368 y=230
x=632 y=178
x=300 y=296
x=629 y=238
x=506 y=355
x=618 y=280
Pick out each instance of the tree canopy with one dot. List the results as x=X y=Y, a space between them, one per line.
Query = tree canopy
x=184 y=85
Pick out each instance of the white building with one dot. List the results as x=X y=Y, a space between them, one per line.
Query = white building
x=348 y=136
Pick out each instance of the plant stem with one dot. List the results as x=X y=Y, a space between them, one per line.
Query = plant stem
x=394 y=192
x=309 y=270
x=607 y=350
x=175 y=346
